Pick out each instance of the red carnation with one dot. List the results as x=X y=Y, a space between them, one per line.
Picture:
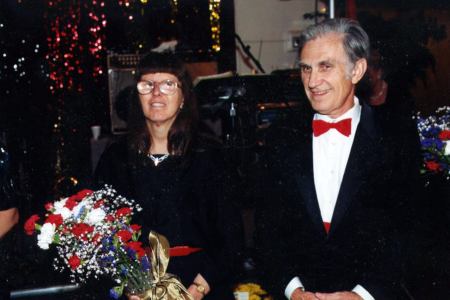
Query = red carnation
x=137 y=246
x=30 y=224
x=71 y=203
x=82 y=228
x=135 y=227
x=99 y=203
x=48 y=206
x=124 y=211
x=124 y=235
x=83 y=193
x=54 y=219
x=65 y=230
x=444 y=135
x=80 y=195
x=109 y=218
x=432 y=165
x=74 y=261
x=96 y=238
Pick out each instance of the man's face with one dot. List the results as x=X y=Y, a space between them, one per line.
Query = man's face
x=328 y=76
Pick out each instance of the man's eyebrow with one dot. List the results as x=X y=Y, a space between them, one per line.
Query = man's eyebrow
x=320 y=63
x=302 y=64
x=327 y=62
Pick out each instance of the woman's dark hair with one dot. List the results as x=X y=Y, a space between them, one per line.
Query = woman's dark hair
x=181 y=133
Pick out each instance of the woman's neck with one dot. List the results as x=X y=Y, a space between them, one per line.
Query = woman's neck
x=159 y=138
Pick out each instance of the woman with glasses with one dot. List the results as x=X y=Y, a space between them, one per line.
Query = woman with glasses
x=181 y=185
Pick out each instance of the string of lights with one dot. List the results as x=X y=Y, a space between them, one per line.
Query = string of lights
x=72 y=45
x=64 y=49
x=214 y=18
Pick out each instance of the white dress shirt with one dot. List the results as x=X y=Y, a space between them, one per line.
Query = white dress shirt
x=330 y=155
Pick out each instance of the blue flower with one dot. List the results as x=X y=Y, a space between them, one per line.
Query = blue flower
x=428 y=156
x=123 y=270
x=131 y=253
x=432 y=143
x=113 y=293
x=80 y=212
x=427 y=143
x=433 y=131
x=145 y=263
x=107 y=241
x=106 y=260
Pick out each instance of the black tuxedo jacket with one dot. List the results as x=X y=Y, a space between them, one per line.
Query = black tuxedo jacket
x=370 y=221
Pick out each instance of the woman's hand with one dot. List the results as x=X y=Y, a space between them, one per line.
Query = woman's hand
x=199 y=287
x=195 y=293
x=133 y=297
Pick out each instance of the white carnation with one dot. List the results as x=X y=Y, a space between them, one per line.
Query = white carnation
x=45 y=237
x=64 y=212
x=447 y=148
x=61 y=209
x=58 y=205
x=94 y=216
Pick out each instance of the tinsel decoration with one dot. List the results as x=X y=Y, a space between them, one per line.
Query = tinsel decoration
x=214 y=18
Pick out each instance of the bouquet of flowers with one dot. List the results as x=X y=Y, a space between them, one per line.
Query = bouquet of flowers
x=434 y=132
x=250 y=291
x=93 y=235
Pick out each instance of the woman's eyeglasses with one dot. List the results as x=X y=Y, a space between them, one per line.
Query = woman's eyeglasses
x=166 y=87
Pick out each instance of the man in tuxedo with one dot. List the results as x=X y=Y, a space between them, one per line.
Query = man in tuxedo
x=334 y=223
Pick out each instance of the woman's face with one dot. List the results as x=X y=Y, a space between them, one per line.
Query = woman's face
x=161 y=108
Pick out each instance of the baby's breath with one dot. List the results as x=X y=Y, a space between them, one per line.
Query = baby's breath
x=88 y=241
x=434 y=133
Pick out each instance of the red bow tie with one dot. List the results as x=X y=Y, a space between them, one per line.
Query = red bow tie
x=343 y=126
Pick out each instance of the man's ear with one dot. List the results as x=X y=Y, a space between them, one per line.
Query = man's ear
x=358 y=70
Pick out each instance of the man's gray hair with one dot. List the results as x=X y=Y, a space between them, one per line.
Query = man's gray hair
x=355 y=39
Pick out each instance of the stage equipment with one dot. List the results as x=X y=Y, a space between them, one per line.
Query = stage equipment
x=247 y=51
x=121 y=84
x=245 y=104
x=47 y=291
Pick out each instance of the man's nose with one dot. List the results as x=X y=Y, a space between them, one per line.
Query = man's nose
x=314 y=79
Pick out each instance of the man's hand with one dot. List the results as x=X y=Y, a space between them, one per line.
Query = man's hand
x=338 y=296
x=299 y=294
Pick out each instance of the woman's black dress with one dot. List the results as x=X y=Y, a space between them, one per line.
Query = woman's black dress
x=188 y=200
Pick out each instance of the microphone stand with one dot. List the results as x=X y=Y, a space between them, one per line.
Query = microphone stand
x=246 y=49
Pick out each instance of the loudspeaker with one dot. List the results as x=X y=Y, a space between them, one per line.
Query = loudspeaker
x=121 y=84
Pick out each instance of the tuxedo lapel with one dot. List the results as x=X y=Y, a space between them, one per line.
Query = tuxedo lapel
x=362 y=158
x=305 y=182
